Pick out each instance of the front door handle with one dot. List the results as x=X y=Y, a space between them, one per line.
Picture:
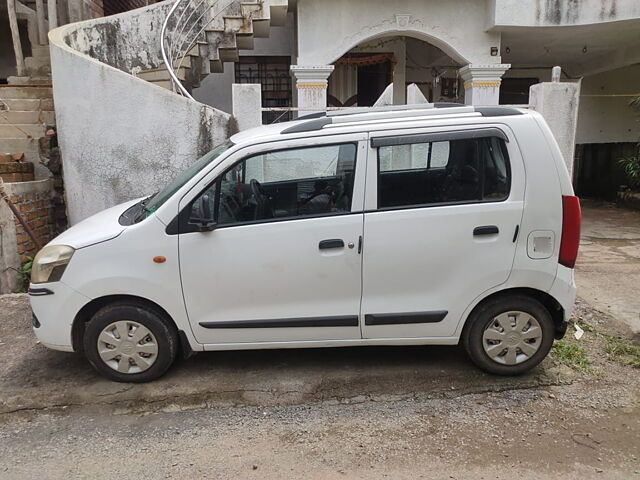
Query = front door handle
x=486 y=230
x=331 y=243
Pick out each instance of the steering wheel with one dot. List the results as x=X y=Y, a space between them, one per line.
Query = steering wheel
x=263 y=205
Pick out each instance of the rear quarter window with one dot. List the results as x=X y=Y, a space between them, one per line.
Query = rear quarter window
x=467 y=170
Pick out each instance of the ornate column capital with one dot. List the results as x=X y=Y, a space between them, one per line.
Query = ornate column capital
x=311 y=87
x=482 y=82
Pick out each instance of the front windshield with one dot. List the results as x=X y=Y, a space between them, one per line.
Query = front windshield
x=157 y=200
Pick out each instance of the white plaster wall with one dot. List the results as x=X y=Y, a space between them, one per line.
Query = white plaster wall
x=329 y=28
x=609 y=119
x=528 y=13
x=120 y=136
x=125 y=41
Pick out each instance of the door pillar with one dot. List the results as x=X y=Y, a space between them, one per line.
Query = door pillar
x=482 y=83
x=311 y=87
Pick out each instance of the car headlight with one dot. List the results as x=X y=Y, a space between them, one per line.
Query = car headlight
x=50 y=263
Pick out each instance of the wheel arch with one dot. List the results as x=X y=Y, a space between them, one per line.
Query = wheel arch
x=552 y=305
x=90 y=309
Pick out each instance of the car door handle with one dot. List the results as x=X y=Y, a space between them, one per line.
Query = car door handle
x=331 y=243
x=485 y=230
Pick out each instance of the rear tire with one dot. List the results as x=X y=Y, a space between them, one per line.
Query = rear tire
x=509 y=335
x=128 y=342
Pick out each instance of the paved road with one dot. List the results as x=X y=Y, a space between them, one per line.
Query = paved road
x=608 y=267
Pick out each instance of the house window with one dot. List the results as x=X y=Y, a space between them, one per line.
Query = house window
x=272 y=73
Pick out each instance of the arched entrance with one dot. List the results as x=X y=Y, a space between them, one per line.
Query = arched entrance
x=361 y=75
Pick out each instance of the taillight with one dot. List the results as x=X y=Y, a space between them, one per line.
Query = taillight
x=571 y=219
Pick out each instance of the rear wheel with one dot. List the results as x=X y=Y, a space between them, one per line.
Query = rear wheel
x=509 y=335
x=130 y=343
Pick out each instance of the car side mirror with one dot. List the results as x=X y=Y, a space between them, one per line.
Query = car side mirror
x=202 y=216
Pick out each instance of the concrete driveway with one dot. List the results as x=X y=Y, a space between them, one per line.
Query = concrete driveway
x=33 y=377
x=608 y=267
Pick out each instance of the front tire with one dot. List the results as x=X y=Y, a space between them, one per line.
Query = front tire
x=509 y=335
x=127 y=342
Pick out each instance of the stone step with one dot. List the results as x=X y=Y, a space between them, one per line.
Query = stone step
x=159 y=74
x=38 y=66
x=35 y=117
x=11 y=91
x=216 y=66
x=261 y=27
x=29 y=146
x=21 y=131
x=278 y=12
x=40 y=51
x=238 y=24
x=163 y=83
x=26 y=104
x=29 y=80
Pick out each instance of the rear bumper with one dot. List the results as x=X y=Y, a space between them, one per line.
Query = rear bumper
x=54 y=306
x=564 y=291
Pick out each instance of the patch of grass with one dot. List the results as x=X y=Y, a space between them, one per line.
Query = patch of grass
x=622 y=351
x=571 y=355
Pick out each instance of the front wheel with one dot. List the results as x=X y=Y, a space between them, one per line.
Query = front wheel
x=509 y=335
x=130 y=343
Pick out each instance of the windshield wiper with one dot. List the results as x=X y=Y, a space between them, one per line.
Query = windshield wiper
x=143 y=207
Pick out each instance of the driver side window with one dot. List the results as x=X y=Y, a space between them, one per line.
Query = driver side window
x=287 y=184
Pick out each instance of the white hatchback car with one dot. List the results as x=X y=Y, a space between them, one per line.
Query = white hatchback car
x=415 y=225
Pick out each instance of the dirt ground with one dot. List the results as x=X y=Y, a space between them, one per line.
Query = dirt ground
x=416 y=412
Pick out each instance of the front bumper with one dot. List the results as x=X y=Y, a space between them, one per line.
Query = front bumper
x=54 y=306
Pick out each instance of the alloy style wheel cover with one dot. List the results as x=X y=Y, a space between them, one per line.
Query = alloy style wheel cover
x=512 y=337
x=127 y=347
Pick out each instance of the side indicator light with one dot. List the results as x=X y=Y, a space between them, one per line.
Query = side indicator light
x=159 y=259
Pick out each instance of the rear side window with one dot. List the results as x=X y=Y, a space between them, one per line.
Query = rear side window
x=466 y=170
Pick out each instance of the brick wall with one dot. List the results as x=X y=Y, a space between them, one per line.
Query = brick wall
x=37 y=210
x=34 y=200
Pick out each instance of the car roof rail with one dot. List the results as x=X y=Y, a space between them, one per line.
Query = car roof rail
x=319 y=120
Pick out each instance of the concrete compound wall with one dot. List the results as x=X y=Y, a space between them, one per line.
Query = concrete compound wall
x=33 y=200
x=121 y=137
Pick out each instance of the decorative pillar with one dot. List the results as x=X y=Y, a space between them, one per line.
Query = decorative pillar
x=482 y=83
x=247 y=105
x=400 y=73
x=311 y=87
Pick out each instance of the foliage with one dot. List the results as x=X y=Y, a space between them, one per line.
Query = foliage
x=631 y=166
x=25 y=274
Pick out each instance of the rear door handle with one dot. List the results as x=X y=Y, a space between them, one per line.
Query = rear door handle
x=331 y=243
x=485 y=230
